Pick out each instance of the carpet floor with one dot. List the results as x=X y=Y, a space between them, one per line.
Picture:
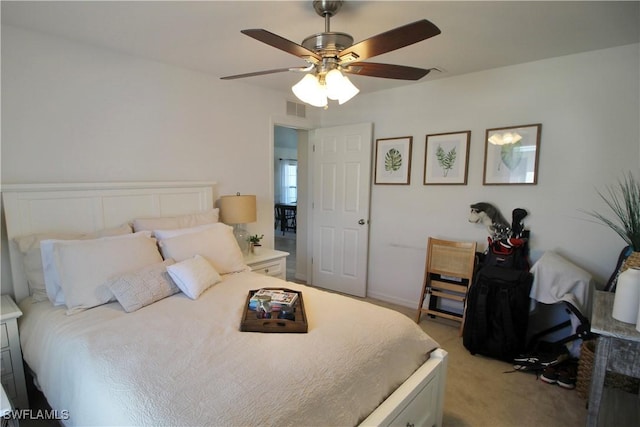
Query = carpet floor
x=486 y=392
x=481 y=391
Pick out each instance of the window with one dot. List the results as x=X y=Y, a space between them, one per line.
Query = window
x=289 y=181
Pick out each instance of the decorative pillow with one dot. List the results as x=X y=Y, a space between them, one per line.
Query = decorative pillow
x=83 y=267
x=174 y=222
x=29 y=246
x=145 y=286
x=216 y=243
x=194 y=276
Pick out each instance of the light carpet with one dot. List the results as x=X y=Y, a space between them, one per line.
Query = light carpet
x=485 y=392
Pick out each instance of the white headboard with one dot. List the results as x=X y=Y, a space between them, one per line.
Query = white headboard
x=37 y=208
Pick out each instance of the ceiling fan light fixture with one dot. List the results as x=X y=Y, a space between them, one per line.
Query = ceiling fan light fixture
x=335 y=86
x=309 y=90
x=329 y=53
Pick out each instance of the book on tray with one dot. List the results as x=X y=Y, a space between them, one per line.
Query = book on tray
x=278 y=298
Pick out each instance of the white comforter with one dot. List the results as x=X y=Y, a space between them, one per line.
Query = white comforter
x=185 y=362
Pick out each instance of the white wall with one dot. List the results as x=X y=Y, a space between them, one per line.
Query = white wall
x=76 y=113
x=588 y=105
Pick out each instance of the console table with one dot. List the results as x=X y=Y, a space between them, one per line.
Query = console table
x=617 y=350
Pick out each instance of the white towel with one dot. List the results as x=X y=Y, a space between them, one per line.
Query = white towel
x=556 y=279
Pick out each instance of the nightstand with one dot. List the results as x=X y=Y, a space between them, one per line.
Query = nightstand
x=13 y=380
x=269 y=262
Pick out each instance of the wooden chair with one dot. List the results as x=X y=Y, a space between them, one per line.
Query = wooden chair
x=277 y=217
x=448 y=274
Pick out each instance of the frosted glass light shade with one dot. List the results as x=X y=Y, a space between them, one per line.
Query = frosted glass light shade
x=334 y=80
x=310 y=90
x=339 y=87
x=336 y=86
x=348 y=91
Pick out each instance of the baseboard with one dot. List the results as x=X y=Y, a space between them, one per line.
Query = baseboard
x=393 y=300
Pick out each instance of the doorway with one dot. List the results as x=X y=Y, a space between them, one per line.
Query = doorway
x=290 y=176
x=330 y=246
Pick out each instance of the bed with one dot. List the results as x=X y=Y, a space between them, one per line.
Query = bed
x=176 y=356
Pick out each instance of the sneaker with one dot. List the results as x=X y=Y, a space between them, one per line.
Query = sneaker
x=538 y=362
x=544 y=359
x=567 y=376
x=527 y=363
x=550 y=375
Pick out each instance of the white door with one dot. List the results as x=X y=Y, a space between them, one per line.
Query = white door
x=341 y=192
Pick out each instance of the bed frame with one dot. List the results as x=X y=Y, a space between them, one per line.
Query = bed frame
x=34 y=208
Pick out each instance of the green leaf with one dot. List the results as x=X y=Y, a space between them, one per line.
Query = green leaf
x=392 y=160
x=624 y=202
x=511 y=155
x=446 y=160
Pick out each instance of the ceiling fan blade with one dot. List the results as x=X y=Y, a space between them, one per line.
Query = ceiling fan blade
x=257 y=73
x=283 y=44
x=390 y=40
x=387 y=71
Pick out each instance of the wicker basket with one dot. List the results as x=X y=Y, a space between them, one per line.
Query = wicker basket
x=612 y=379
x=585 y=366
x=632 y=260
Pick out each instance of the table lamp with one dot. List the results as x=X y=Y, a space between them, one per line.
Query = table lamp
x=239 y=210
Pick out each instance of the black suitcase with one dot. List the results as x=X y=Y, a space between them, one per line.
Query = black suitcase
x=497 y=313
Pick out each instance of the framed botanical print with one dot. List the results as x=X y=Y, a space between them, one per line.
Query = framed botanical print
x=393 y=160
x=446 y=158
x=511 y=155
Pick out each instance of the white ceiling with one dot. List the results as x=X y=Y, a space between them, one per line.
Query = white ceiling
x=205 y=35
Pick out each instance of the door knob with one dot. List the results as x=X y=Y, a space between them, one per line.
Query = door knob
x=361 y=222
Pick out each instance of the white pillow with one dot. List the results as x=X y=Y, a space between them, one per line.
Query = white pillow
x=84 y=267
x=216 y=243
x=33 y=265
x=29 y=246
x=167 y=234
x=174 y=222
x=194 y=276
x=142 y=287
x=51 y=279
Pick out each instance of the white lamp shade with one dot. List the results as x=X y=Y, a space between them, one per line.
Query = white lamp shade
x=349 y=90
x=310 y=90
x=339 y=87
x=334 y=80
x=238 y=209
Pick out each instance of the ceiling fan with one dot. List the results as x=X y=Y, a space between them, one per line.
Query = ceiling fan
x=329 y=54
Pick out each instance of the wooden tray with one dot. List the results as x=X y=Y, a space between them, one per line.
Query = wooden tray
x=250 y=323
